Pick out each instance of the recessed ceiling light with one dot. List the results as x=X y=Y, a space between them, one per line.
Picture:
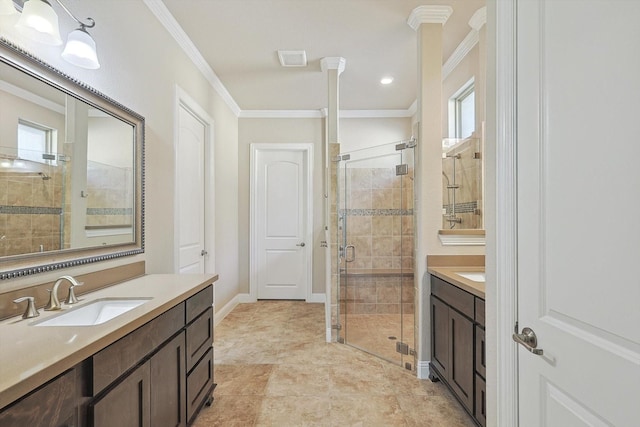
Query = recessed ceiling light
x=386 y=80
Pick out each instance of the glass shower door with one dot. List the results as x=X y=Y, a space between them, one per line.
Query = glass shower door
x=375 y=217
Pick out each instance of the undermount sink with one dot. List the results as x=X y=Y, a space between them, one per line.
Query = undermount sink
x=93 y=313
x=476 y=276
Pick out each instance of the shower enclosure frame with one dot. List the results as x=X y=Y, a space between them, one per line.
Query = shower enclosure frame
x=357 y=276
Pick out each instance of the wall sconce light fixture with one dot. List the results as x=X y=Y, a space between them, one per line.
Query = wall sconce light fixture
x=39 y=22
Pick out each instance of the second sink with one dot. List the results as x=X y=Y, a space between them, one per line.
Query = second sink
x=476 y=276
x=93 y=313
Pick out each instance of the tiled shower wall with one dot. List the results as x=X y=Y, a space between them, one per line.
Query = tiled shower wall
x=378 y=293
x=379 y=221
x=468 y=197
x=30 y=210
x=110 y=201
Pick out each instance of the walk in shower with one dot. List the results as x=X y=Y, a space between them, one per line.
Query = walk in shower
x=375 y=235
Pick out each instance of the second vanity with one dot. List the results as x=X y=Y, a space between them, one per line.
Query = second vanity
x=457 y=304
x=150 y=366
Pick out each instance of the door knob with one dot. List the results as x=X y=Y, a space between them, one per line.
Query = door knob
x=302 y=245
x=529 y=340
x=203 y=252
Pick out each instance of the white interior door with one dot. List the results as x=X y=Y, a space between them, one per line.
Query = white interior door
x=281 y=229
x=191 y=192
x=578 y=189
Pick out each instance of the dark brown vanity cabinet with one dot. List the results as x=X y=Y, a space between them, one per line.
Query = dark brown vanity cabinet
x=159 y=386
x=51 y=405
x=457 y=344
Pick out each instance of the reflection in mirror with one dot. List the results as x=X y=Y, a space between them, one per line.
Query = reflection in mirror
x=70 y=171
x=462 y=184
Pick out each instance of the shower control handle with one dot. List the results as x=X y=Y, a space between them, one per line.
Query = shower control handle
x=302 y=245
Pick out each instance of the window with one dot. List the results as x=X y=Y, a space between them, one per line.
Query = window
x=462 y=112
x=36 y=143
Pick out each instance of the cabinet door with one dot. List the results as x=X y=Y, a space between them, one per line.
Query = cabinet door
x=168 y=384
x=460 y=373
x=440 y=336
x=53 y=404
x=480 y=412
x=481 y=358
x=126 y=404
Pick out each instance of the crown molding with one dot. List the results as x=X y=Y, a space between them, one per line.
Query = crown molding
x=333 y=63
x=322 y=113
x=478 y=19
x=465 y=46
x=374 y=114
x=429 y=14
x=165 y=17
x=282 y=114
x=31 y=97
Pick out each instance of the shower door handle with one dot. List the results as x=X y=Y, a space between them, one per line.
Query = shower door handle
x=353 y=253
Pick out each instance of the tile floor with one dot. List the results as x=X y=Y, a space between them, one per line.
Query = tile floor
x=274 y=368
x=379 y=333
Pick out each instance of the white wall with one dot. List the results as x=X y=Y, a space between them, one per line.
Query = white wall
x=356 y=134
x=140 y=66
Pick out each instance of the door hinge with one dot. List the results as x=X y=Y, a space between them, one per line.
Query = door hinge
x=402 y=169
x=402 y=348
x=337 y=327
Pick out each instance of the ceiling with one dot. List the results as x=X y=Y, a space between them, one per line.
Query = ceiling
x=239 y=39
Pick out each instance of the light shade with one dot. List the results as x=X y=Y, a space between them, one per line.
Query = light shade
x=39 y=22
x=81 y=50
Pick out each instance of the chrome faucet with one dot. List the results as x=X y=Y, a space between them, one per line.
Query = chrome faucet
x=54 y=302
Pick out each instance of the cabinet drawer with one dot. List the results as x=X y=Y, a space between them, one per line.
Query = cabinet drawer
x=480 y=410
x=199 y=384
x=199 y=303
x=124 y=354
x=481 y=358
x=454 y=296
x=53 y=404
x=199 y=337
x=480 y=311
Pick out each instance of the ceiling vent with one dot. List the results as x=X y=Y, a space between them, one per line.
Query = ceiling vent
x=292 y=58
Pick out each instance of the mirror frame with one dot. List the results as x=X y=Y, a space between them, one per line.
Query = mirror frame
x=14 y=266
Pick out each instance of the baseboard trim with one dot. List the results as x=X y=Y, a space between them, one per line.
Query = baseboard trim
x=228 y=307
x=317 y=298
x=423 y=369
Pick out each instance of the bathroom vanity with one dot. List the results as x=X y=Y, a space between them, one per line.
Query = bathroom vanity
x=150 y=366
x=457 y=336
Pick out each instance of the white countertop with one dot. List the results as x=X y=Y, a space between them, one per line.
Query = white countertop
x=31 y=356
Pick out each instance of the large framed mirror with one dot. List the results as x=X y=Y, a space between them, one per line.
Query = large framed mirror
x=71 y=170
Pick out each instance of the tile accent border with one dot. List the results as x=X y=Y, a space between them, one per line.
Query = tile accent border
x=29 y=210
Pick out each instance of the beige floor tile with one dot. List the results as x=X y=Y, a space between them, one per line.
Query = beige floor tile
x=241 y=380
x=365 y=411
x=434 y=411
x=294 y=411
x=298 y=380
x=230 y=411
x=274 y=368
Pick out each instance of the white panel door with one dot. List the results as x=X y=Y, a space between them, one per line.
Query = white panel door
x=190 y=192
x=578 y=91
x=280 y=220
